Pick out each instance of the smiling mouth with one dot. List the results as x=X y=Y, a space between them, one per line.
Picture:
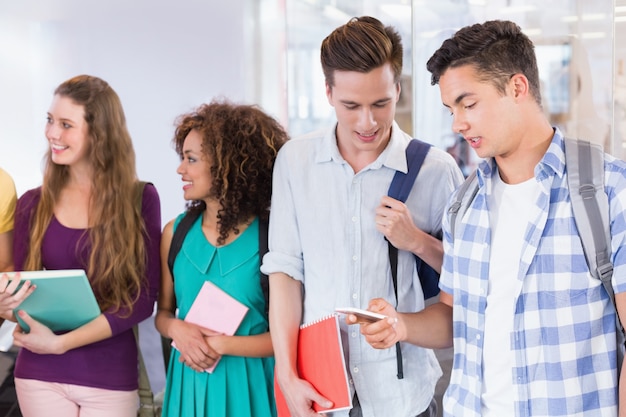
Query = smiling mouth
x=368 y=137
x=58 y=147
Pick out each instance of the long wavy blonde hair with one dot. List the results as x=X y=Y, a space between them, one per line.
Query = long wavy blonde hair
x=117 y=261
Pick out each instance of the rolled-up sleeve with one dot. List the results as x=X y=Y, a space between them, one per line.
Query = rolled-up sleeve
x=285 y=248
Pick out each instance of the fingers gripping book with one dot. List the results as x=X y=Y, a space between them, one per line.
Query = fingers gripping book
x=321 y=363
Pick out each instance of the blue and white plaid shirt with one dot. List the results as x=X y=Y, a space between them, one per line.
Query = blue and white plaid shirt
x=563 y=335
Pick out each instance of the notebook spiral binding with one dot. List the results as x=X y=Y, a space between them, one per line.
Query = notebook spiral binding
x=329 y=316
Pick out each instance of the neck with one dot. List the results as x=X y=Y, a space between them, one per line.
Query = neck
x=518 y=165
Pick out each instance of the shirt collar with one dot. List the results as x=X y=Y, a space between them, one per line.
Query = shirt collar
x=552 y=162
x=393 y=156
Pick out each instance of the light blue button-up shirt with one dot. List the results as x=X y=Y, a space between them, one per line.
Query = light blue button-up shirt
x=564 y=324
x=323 y=233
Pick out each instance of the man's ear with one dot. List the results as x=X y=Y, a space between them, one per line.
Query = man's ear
x=398 y=90
x=519 y=84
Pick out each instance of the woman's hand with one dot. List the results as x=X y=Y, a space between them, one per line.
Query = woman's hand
x=40 y=339
x=190 y=340
x=10 y=299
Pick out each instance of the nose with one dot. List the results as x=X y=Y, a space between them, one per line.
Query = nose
x=366 y=119
x=52 y=131
x=180 y=170
x=459 y=124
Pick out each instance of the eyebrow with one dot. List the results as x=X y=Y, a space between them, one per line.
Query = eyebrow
x=62 y=119
x=354 y=103
x=460 y=98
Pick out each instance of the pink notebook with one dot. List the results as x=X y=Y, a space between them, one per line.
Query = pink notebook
x=215 y=309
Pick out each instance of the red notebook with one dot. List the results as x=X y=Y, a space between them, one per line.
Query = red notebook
x=215 y=309
x=321 y=363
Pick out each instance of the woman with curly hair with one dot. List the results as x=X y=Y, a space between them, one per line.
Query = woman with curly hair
x=227 y=155
x=87 y=215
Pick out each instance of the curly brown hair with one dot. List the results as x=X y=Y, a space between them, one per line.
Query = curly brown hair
x=241 y=141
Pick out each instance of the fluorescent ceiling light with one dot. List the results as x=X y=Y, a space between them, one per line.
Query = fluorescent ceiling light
x=587 y=17
x=593 y=35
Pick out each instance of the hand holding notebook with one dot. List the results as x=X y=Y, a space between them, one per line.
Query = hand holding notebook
x=216 y=310
x=320 y=362
x=63 y=299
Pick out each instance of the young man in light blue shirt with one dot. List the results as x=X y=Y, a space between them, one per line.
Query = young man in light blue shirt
x=330 y=220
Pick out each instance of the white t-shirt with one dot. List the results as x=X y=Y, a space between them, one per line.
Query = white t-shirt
x=509 y=208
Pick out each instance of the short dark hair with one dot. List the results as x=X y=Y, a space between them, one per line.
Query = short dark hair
x=497 y=49
x=361 y=45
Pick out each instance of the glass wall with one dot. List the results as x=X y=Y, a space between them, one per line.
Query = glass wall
x=574 y=43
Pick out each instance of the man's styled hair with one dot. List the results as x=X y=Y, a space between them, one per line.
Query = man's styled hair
x=361 y=45
x=497 y=49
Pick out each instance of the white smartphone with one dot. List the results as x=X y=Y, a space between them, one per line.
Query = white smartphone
x=361 y=315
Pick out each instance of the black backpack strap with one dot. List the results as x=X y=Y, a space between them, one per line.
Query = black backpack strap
x=178 y=238
x=263 y=249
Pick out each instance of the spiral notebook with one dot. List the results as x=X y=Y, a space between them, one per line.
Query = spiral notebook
x=322 y=364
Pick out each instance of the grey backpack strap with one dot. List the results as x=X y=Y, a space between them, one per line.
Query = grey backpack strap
x=590 y=204
x=462 y=200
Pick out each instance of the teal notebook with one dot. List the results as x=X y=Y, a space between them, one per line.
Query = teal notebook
x=63 y=299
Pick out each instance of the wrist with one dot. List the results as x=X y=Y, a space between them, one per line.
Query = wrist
x=400 y=327
x=218 y=343
x=417 y=247
x=60 y=345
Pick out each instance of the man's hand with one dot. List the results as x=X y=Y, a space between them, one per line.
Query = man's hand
x=393 y=219
x=381 y=334
x=300 y=396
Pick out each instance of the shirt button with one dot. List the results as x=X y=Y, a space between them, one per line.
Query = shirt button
x=353 y=334
x=354 y=219
x=355 y=370
x=354 y=296
x=477 y=337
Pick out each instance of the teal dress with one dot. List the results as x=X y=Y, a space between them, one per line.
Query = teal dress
x=239 y=386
